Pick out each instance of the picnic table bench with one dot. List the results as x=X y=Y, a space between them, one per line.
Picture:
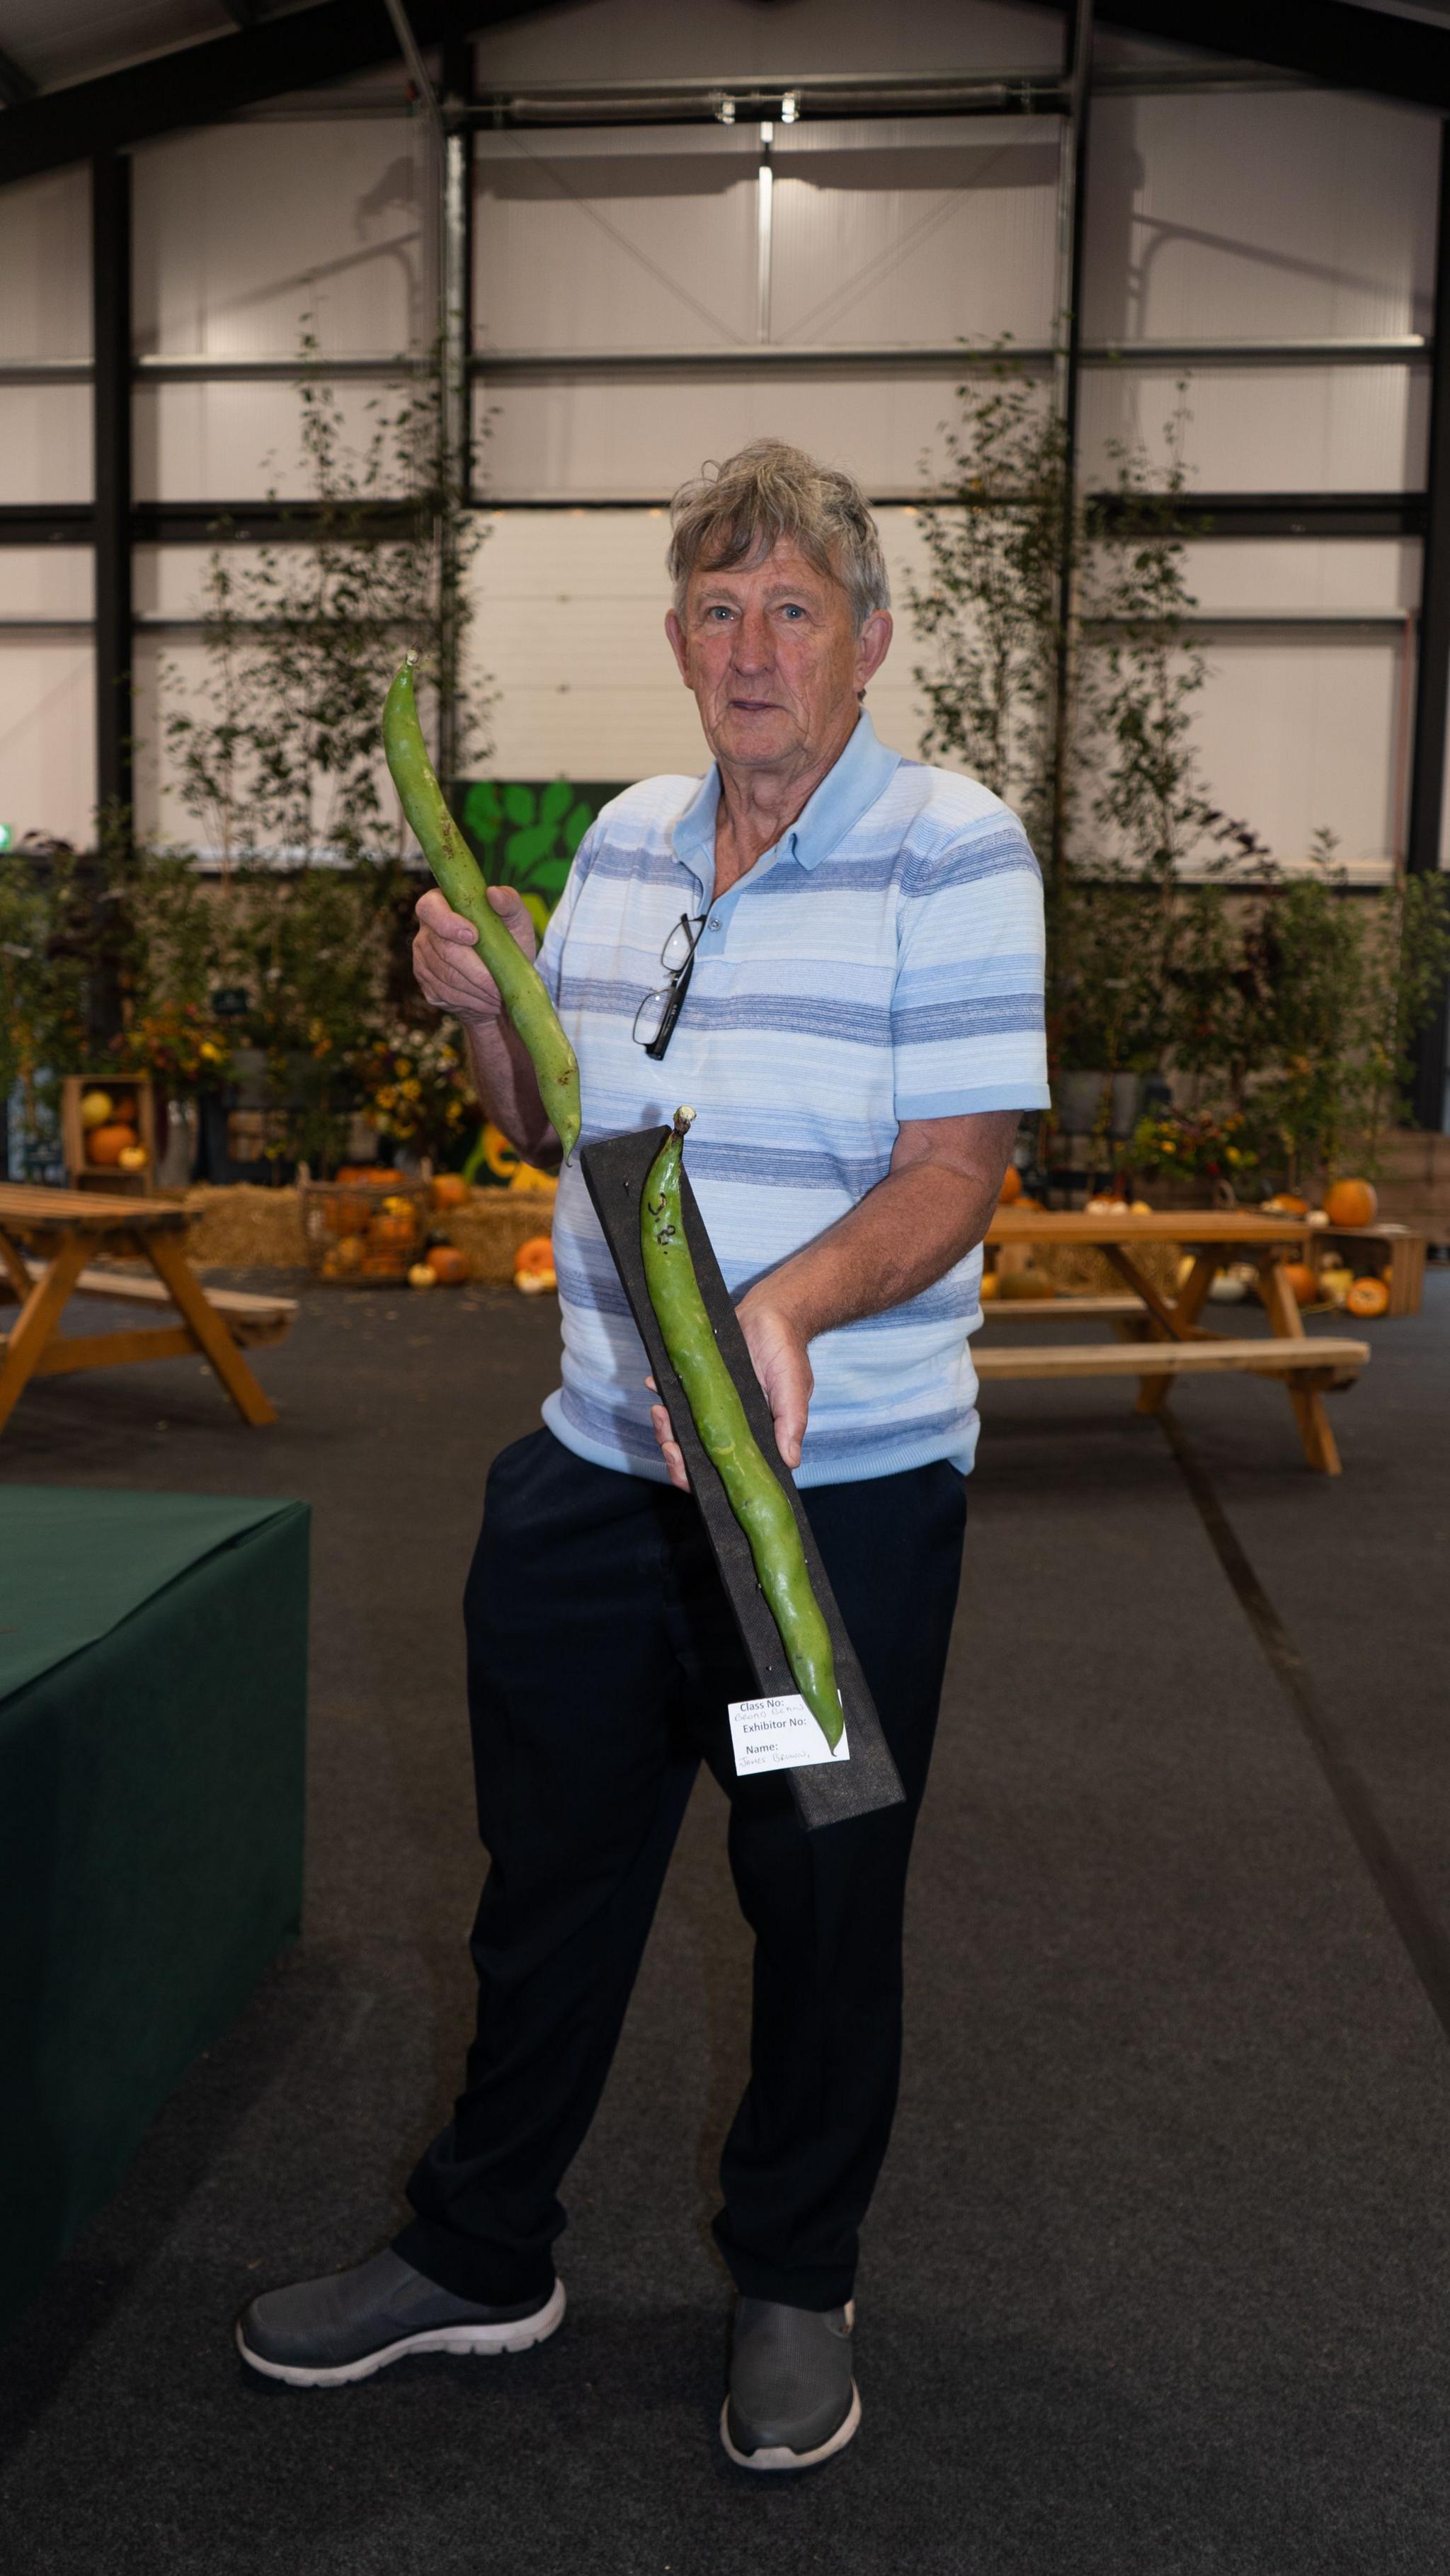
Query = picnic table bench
x=1309 y=1367
x=49 y=1243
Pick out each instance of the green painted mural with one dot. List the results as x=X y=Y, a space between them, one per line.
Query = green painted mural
x=524 y=832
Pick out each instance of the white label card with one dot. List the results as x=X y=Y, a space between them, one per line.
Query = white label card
x=778 y=1735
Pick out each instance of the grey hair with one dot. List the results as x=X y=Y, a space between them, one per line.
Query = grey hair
x=733 y=514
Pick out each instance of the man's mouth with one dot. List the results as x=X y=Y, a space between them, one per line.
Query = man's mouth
x=756 y=706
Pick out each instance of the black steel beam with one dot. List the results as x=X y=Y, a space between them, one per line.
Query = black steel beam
x=1205 y=514
x=198 y=84
x=16 y=85
x=111 y=412
x=1328 y=41
x=1432 y=672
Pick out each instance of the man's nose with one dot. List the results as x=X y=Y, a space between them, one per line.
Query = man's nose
x=752 y=641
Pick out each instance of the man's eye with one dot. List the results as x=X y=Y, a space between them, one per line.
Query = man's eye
x=791 y=610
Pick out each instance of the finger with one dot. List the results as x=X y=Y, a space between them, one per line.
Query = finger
x=670 y=1449
x=788 y=1413
x=436 y=914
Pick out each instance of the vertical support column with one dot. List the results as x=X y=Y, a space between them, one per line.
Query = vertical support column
x=111 y=328
x=456 y=428
x=1071 y=209
x=1432 y=673
x=764 y=234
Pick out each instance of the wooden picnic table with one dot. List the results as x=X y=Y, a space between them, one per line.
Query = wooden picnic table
x=1310 y=1367
x=49 y=1239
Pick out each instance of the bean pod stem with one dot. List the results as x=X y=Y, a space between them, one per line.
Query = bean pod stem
x=525 y=995
x=756 y=1495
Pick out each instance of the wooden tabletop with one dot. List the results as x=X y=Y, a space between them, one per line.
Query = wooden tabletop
x=1165 y=1225
x=88 y=1211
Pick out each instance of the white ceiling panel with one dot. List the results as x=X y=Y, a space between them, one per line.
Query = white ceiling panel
x=242 y=229
x=620 y=40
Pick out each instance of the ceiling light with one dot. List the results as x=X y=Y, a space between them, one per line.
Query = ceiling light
x=790 y=108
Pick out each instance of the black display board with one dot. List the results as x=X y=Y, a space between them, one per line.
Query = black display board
x=615 y=1173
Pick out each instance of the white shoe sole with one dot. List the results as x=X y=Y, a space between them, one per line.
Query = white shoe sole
x=519 y=2335
x=780 y=2457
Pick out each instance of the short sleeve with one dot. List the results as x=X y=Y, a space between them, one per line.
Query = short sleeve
x=967 y=1019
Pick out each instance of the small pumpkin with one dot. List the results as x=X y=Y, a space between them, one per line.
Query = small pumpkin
x=1011 y=1188
x=125 y=1110
x=1368 y=1297
x=535 y=1254
x=989 y=1288
x=133 y=1158
x=422 y=1275
x=1302 y=1281
x=448 y=1190
x=371 y=1176
x=97 y=1109
x=1351 y=1203
x=1286 y=1204
x=108 y=1144
x=447 y=1264
x=393 y=1230
x=1026 y=1283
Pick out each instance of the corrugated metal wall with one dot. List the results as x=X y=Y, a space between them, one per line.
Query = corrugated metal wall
x=1281 y=216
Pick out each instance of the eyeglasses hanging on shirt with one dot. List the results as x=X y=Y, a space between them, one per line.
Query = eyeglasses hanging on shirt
x=654 y=1021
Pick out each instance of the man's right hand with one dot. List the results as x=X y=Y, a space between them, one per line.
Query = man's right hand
x=450 y=972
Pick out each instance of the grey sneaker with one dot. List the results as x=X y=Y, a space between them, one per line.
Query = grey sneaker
x=792 y=2398
x=319 y=2334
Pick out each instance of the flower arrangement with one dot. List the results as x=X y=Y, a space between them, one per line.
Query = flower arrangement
x=180 y=1045
x=1204 y=1146
x=418 y=1092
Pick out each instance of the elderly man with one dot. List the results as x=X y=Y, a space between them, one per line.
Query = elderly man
x=835 y=955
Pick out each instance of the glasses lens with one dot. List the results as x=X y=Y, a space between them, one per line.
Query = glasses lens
x=676 y=950
x=649 y=1018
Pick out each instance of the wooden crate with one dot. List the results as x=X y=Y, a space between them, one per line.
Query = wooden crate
x=84 y=1175
x=1395 y=1251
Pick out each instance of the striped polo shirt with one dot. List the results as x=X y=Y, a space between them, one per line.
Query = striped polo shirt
x=882 y=962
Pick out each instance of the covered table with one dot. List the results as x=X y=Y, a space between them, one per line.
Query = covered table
x=153 y=1667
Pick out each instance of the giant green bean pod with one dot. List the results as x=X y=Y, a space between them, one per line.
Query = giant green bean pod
x=525 y=995
x=756 y=1495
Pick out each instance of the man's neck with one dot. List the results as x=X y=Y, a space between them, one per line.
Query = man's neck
x=757 y=806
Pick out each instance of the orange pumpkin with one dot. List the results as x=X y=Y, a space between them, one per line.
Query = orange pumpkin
x=1302 y=1281
x=449 y=1190
x=347 y=1215
x=989 y=1286
x=372 y=1175
x=393 y=1231
x=1351 y=1203
x=1011 y=1186
x=447 y=1264
x=125 y=1108
x=108 y=1144
x=1368 y=1297
x=1286 y=1204
x=536 y=1254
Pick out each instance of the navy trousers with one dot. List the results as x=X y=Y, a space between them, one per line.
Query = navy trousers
x=602 y=1655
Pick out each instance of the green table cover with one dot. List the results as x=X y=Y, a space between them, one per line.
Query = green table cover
x=153 y=1664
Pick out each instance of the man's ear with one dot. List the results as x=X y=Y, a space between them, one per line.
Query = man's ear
x=871 y=647
x=678 y=645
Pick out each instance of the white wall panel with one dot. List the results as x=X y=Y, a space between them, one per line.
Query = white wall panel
x=1300 y=731
x=659 y=40
x=47 y=759
x=45 y=261
x=616 y=240
x=46 y=581
x=242 y=229
x=914 y=231
x=637 y=439
x=45 y=442
x=1267 y=429
x=1374 y=576
x=225 y=442
x=1280 y=216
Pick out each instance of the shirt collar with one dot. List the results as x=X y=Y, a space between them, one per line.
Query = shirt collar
x=847 y=791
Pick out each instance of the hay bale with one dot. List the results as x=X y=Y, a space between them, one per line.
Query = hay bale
x=244 y=1227
x=1082 y=1270
x=490 y=1230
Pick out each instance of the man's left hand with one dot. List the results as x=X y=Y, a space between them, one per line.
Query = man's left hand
x=777 y=1348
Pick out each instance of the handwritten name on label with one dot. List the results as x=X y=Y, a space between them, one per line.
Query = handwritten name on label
x=778 y=1735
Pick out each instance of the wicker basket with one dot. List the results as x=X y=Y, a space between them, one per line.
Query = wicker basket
x=362 y=1234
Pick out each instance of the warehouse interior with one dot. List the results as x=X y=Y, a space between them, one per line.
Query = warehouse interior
x=1157 y=2278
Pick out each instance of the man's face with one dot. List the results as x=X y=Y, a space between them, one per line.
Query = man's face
x=771 y=653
